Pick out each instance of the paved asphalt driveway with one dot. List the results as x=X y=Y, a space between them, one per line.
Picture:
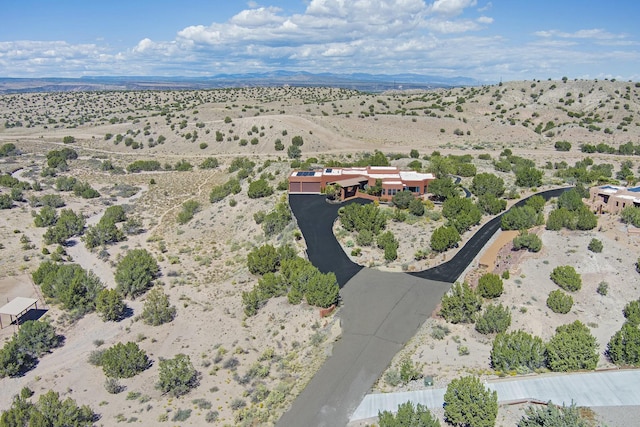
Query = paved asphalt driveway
x=380 y=312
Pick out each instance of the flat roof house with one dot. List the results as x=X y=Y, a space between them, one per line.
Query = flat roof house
x=613 y=198
x=351 y=180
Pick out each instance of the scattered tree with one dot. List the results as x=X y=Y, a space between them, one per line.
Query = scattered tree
x=528 y=241
x=177 y=375
x=408 y=416
x=595 y=245
x=468 y=403
x=157 y=309
x=490 y=286
x=124 y=360
x=444 y=238
x=518 y=351
x=109 y=305
x=259 y=188
x=559 y=302
x=487 y=184
x=135 y=272
x=572 y=348
x=552 y=415
x=567 y=278
x=494 y=319
x=460 y=304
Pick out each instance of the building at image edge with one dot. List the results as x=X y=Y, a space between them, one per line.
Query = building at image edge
x=613 y=198
x=357 y=179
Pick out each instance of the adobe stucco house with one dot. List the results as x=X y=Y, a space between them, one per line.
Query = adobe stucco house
x=613 y=198
x=360 y=178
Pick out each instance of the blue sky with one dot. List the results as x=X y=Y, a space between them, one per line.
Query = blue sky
x=485 y=40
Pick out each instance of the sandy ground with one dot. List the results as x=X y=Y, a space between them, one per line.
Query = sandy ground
x=203 y=262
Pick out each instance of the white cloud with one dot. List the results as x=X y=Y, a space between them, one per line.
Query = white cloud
x=596 y=33
x=451 y=7
x=379 y=36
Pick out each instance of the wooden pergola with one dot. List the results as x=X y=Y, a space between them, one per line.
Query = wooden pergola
x=16 y=308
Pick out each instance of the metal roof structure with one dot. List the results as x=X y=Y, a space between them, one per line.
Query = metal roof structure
x=17 y=306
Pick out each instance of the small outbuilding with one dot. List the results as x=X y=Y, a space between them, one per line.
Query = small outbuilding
x=16 y=308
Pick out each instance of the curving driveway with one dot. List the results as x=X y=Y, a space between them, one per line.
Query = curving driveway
x=380 y=312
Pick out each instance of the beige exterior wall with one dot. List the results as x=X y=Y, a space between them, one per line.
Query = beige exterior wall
x=613 y=199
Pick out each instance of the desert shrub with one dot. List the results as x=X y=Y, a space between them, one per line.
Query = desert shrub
x=392 y=377
x=183 y=166
x=177 y=375
x=552 y=415
x=69 y=224
x=135 y=272
x=103 y=233
x=84 y=190
x=416 y=207
x=124 y=360
x=157 y=309
x=189 y=209
x=494 y=319
x=409 y=371
x=462 y=213
x=603 y=288
x=443 y=188
x=144 y=165
x=562 y=145
x=277 y=220
x=113 y=386
x=8 y=149
x=364 y=238
x=559 y=302
x=528 y=177
x=517 y=350
x=389 y=244
x=491 y=205
x=631 y=312
x=460 y=304
x=531 y=242
x=490 y=286
x=52 y=200
x=402 y=199
x=49 y=410
x=209 y=163
x=181 y=415
x=36 y=338
x=68 y=284
x=487 y=184
x=259 y=188
x=624 y=346
x=356 y=217
x=6 y=202
x=408 y=415
x=221 y=191
x=46 y=217
x=468 y=403
x=443 y=238
x=438 y=332
x=595 y=245
x=567 y=278
x=263 y=259
x=631 y=215
x=572 y=348
x=520 y=218
x=109 y=305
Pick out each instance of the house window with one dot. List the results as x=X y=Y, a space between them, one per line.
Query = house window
x=384 y=192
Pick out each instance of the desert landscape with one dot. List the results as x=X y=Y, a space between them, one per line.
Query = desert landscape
x=251 y=367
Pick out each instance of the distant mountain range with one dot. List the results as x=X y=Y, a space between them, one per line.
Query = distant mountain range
x=358 y=81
